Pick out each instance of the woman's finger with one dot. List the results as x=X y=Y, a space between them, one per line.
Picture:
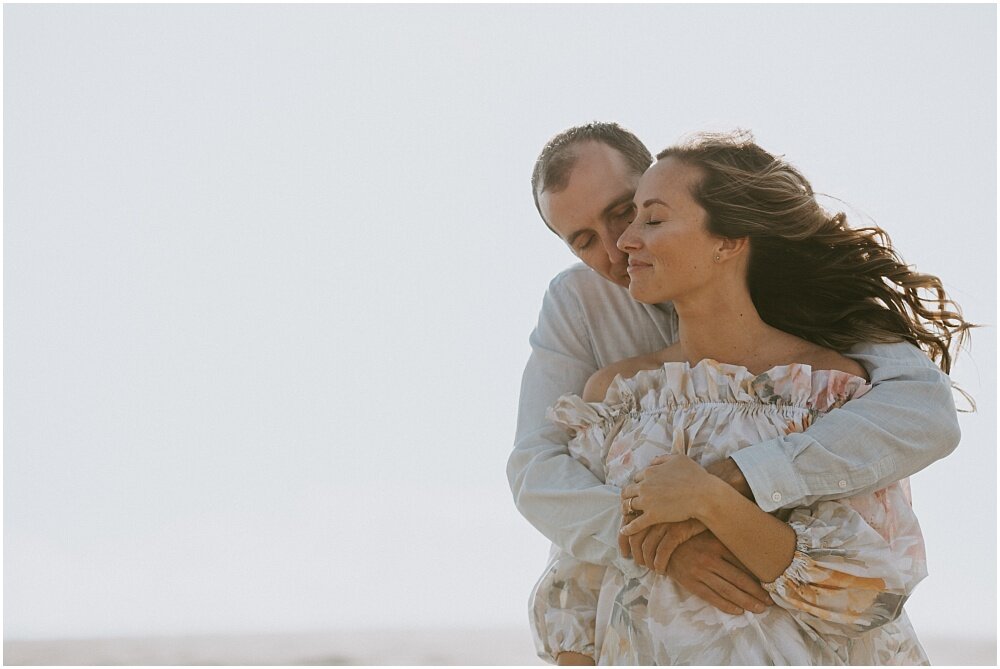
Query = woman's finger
x=623 y=546
x=629 y=507
x=624 y=542
x=638 y=525
x=636 y=504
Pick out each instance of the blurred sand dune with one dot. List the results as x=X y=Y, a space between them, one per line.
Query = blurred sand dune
x=501 y=646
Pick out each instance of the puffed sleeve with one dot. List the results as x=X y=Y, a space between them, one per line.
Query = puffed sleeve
x=856 y=562
x=564 y=606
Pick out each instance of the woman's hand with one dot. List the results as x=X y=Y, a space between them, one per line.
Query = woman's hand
x=671 y=489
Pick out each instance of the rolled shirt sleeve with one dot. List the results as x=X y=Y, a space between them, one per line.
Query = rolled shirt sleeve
x=585 y=323
x=906 y=422
x=557 y=494
x=903 y=424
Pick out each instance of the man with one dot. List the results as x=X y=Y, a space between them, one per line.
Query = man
x=583 y=184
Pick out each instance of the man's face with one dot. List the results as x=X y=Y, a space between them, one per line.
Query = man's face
x=594 y=209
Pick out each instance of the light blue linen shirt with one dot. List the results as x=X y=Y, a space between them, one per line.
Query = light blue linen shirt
x=906 y=421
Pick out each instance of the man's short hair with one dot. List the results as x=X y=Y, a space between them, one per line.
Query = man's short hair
x=556 y=161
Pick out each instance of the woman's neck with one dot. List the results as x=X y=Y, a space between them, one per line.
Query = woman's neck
x=727 y=329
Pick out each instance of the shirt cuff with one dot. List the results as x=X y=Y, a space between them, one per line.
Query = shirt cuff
x=772 y=480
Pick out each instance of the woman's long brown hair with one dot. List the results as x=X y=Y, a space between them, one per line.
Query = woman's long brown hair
x=810 y=274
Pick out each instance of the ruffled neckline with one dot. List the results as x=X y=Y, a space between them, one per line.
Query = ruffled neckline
x=674 y=384
x=796 y=384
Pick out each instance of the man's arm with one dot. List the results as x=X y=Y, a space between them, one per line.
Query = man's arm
x=555 y=492
x=906 y=422
x=903 y=424
x=559 y=495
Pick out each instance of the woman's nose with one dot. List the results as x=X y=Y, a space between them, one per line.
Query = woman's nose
x=628 y=241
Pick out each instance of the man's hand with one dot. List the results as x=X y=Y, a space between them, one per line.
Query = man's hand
x=665 y=538
x=699 y=563
x=705 y=567
x=727 y=470
x=653 y=546
x=695 y=559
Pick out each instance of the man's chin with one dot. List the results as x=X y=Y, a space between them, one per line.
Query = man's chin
x=620 y=278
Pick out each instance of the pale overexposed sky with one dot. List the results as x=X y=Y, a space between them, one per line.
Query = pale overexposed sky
x=269 y=273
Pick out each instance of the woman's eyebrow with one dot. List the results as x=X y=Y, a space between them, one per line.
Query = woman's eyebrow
x=654 y=200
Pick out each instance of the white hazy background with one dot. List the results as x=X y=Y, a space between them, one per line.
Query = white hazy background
x=269 y=274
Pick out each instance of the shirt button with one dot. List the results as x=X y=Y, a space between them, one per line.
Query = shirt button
x=842 y=483
x=776 y=497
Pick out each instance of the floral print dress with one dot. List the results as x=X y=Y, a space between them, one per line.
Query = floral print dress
x=840 y=601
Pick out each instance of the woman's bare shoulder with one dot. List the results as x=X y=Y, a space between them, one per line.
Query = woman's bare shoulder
x=599 y=382
x=819 y=357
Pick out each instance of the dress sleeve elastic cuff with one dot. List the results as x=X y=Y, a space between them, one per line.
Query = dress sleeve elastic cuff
x=796 y=570
x=770 y=475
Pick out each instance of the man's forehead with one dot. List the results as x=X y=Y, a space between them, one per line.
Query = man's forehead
x=598 y=161
x=598 y=183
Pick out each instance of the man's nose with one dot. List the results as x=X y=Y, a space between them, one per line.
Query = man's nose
x=612 y=245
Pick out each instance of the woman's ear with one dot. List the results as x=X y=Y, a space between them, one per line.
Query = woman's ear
x=730 y=248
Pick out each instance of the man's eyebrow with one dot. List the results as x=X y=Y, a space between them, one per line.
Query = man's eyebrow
x=625 y=197
x=654 y=200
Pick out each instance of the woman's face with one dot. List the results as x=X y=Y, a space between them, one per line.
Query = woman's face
x=670 y=250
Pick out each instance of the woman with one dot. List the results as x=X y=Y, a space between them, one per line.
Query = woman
x=768 y=288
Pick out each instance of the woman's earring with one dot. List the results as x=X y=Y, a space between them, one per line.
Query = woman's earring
x=718 y=258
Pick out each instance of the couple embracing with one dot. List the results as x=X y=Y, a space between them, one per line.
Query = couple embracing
x=720 y=410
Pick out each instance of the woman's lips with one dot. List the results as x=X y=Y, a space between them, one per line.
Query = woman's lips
x=637 y=266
